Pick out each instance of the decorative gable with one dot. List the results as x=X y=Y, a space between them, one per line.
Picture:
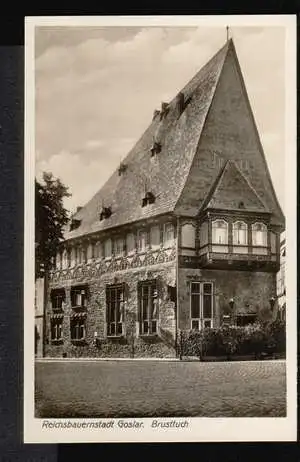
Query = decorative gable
x=233 y=191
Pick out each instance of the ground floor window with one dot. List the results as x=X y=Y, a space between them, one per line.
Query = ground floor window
x=56 y=328
x=115 y=309
x=77 y=329
x=201 y=301
x=148 y=307
x=245 y=319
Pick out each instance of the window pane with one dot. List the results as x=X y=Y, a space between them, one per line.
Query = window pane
x=107 y=248
x=154 y=327
x=130 y=243
x=188 y=236
x=207 y=306
x=195 y=306
x=145 y=327
x=207 y=323
x=168 y=233
x=119 y=331
x=195 y=324
x=195 y=288
x=207 y=288
x=155 y=236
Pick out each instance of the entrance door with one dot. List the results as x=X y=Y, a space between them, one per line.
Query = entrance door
x=202 y=306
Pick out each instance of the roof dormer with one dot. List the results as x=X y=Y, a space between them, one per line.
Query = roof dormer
x=105 y=213
x=148 y=199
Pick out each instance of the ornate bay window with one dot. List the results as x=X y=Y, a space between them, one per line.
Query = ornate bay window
x=259 y=238
x=148 y=307
x=240 y=237
x=115 y=310
x=202 y=306
x=220 y=236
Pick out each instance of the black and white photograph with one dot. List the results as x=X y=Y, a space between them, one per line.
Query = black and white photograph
x=159 y=296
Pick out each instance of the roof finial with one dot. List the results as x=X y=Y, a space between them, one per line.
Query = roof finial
x=227 y=33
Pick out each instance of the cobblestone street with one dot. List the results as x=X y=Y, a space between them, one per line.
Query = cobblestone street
x=160 y=388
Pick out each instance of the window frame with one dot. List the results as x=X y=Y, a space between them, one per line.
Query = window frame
x=56 y=327
x=140 y=233
x=152 y=306
x=77 y=325
x=264 y=235
x=130 y=251
x=61 y=294
x=83 y=296
x=235 y=229
x=115 y=324
x=168 y=242
x=119 y=251
x=214 y=231
x=202 y=320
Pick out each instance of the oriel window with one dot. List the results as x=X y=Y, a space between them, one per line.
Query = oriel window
x=220 y=232
x=240 y=233
x=259 y=234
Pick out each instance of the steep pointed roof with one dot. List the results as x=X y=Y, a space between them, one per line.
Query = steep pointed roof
x=233 y=191
x=215 y=114
x=164 y=174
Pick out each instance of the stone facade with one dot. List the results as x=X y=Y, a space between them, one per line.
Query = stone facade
x=214 y=254
x=157 y=265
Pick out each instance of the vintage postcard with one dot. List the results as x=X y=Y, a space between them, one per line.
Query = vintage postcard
x=160 y=230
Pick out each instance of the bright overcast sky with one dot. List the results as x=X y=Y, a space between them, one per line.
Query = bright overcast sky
x=97 y=88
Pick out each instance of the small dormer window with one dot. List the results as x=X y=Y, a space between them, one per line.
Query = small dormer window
x=74 y=224
x=164 y=110
x=155 y=114
x=155 y=148
x=122 y=168
x=148 y=199
x=105 y=213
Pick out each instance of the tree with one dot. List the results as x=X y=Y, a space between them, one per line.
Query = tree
x=50 y=219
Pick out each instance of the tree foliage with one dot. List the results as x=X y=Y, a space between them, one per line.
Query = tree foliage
x=50 y=219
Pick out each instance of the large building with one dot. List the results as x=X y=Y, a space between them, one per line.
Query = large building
x=183 y=235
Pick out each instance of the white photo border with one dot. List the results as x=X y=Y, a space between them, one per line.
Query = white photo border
x=199 y=429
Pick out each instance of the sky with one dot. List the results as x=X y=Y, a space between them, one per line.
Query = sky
x=96 y=89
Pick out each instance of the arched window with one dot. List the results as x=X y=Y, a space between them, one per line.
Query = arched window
x=130 y=243
x=240 y=233
x=259 y=234
x=188 y=236
x=220 y=232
